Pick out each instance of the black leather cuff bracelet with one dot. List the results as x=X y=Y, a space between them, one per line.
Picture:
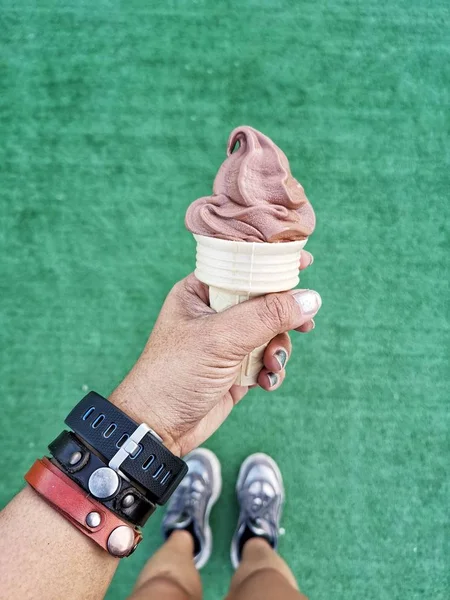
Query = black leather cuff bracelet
x=93 y=475
x=128 y=448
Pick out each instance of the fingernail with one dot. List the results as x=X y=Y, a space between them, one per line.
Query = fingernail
x=313 y=324
x=309 y=302
x=310 y=256
x=273 y=379
x=281 y=356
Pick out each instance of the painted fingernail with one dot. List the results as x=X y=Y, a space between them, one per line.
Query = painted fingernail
x=309 y=302
x=281 y=356
x=273 y=379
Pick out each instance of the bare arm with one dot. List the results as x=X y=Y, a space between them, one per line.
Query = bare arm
x=182 y=386
x=44 y=556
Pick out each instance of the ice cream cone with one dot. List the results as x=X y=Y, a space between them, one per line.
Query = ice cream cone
x=238 y=271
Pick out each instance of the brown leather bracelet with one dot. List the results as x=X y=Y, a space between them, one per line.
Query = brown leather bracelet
x=115 y=536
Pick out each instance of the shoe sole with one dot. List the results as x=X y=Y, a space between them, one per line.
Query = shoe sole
x=265 y=458
x=216 y=490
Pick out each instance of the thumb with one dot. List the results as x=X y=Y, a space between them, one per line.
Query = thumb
x=255 y=322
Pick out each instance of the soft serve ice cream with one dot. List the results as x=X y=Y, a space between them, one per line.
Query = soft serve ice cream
x=256 y=202
x=255 y=197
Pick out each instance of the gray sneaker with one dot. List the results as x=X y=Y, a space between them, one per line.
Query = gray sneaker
x=191 y=504
x=260 y=494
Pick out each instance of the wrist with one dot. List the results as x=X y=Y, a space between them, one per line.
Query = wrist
x=142 y=409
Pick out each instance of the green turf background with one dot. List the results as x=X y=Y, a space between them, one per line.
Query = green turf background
x=113 y=118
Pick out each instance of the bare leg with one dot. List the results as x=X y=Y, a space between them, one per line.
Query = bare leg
x=170 y=574
x=263 y=575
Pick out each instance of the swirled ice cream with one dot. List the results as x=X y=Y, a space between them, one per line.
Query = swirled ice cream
x=255 y=197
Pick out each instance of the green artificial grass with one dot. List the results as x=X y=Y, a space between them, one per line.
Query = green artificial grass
x=114 y=116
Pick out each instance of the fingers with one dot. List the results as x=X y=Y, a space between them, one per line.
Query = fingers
x=275 y=357
x=306 y=327
x=189 y=297
x=270 y=381
x=190 y=285
x=306 y=259
x=237 y=392
x=277 y=353
x=256 y=322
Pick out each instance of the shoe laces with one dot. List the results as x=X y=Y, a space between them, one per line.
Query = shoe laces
x=189 y=498
x=260 y=504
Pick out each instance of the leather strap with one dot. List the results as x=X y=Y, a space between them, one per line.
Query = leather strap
x=126 y=501
x=149 y=463
x=111 y=533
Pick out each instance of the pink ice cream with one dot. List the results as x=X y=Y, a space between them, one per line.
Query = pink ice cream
x=255 y=197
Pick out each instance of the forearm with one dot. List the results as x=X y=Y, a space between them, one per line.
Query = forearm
x=44 y=556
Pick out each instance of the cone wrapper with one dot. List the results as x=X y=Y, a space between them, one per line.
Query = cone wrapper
x=238 y=271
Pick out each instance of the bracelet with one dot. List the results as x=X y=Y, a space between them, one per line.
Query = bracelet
x=102 y=526
x=134 y=450
x=90 y=472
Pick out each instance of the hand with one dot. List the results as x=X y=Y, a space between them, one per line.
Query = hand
x=183 y=383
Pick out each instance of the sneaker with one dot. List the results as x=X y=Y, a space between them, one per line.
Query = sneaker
x=260 y=494
x=190 y=506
